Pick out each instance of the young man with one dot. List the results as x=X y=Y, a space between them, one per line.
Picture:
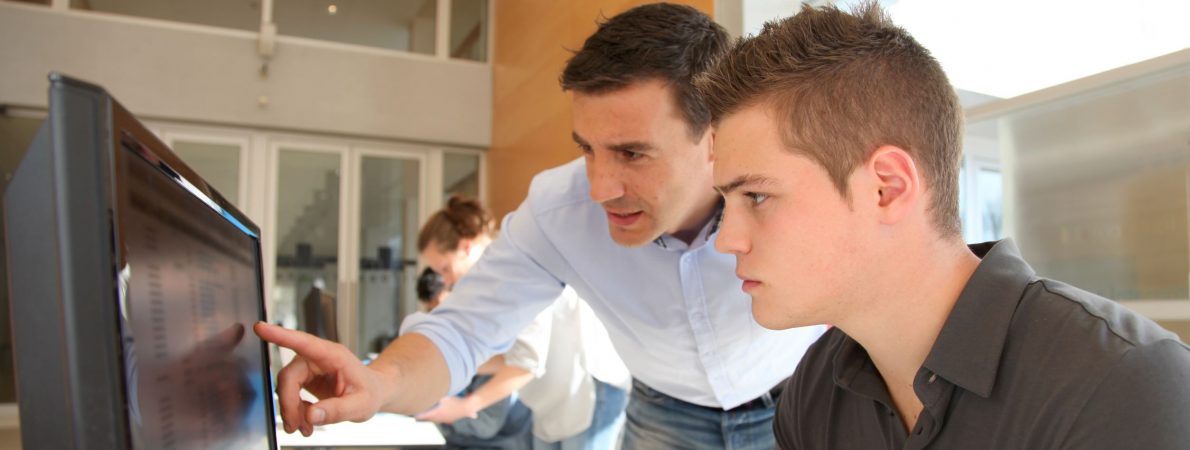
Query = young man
x=837 y=152
x=630 y=227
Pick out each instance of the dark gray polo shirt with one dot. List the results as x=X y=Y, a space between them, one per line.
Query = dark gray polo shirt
x=1021 y=363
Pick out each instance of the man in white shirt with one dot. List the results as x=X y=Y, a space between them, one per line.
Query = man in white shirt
x=581 y=385
x=630 y=227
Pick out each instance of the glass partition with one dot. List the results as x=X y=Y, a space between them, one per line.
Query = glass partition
x=217 y=163
x=389 y=211
x=234 y=14
x=460 y=175
x=406 y=25
x=1095 y=185
x=306 y=236
x=469 y=29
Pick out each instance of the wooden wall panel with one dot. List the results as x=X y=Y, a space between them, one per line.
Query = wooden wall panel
x=530 y=113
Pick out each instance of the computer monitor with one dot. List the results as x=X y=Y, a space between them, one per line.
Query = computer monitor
x=319 y=310
x=134 y=287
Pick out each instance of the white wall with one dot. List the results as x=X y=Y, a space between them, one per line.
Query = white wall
x=194 y=73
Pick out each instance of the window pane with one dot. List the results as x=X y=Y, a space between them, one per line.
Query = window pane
x=236 y=14
x=967 y=235
x=307 y=237
x=991 y=196
x=389 y=190
x=469 y=29
x=1097 y=186
x=460 y=175
x=219 y=164
x=407 y=25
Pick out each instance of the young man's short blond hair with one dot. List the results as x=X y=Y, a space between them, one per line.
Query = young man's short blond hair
x=843 y=85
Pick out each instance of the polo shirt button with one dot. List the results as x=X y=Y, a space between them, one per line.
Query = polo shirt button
x=933 y=377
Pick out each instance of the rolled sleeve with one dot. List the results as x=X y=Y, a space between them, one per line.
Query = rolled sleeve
x=498 y=298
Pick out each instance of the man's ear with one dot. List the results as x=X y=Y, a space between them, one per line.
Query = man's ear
x=898 y=182
x=465 y=246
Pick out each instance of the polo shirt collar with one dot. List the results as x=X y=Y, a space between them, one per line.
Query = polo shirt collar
x=969 y=347
x=853 y=370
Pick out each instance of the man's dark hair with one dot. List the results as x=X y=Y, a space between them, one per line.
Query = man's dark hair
x=660 y=40
x=842 y=85
x=429 y=285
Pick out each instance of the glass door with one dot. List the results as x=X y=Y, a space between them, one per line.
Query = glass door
x=217 y=158
x=388 y=209
x=343 y=240
x=305 y=238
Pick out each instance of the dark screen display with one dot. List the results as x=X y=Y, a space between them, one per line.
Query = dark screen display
x=189 y=295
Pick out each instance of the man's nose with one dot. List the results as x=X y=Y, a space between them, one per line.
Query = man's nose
x=605 y=177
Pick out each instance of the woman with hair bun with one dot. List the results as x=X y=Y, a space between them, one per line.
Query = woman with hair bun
x=562 y=364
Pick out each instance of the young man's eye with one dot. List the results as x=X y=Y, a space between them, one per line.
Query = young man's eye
x=756 y=198
x=584 y=148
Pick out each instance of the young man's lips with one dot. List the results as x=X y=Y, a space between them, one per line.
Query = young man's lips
x=623 y=220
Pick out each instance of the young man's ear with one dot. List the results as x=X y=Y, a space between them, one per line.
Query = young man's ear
x=897 y=182
x=710 y=137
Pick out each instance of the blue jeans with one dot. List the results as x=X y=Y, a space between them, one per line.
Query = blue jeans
x=605 y=423
x=659 y=422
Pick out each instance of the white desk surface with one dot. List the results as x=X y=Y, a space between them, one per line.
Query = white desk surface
x=382 y=430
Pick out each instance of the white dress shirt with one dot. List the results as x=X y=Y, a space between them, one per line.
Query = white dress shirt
x=675 y=312
x=567 y=349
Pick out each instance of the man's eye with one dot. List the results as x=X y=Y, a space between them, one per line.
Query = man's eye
x=632 y=155
x=584 y=148
x=756 y=198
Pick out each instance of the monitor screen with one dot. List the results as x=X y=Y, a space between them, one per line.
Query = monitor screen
x=189 y=295
x=134 y=288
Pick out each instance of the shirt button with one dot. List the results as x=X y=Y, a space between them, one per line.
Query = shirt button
x=933 y=377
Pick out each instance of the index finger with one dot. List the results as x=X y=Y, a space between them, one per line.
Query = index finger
x=307 y=345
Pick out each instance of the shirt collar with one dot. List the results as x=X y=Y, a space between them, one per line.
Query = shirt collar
x=852 y=369
x=968 y=349
x=704 y=236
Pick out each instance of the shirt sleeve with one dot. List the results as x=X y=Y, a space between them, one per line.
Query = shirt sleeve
x=532 y=346
x=1144 y=402
x=513 y=281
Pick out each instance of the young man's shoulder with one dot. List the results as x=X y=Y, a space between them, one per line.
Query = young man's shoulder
x=1076 y=358
x=1090 y=323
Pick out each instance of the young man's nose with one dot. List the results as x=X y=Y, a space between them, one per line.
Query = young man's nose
x=731 y=238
